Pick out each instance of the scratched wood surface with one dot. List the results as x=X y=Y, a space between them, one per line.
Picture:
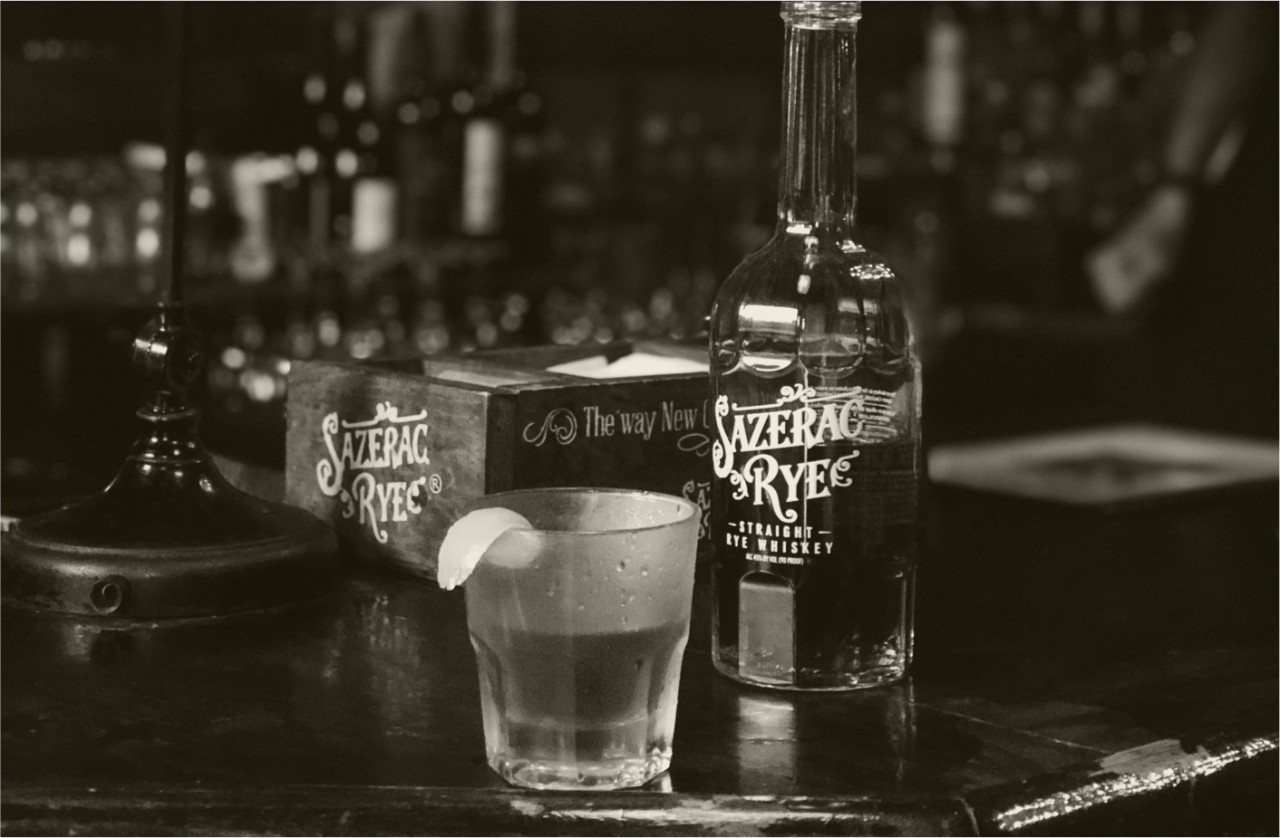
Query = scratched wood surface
x=1140 y=698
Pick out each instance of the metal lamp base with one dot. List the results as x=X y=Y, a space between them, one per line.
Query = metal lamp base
x=170 y=538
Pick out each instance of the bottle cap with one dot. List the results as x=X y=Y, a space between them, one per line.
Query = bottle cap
x=822 y=14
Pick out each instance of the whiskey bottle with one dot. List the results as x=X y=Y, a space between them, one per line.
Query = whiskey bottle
x=816 y=410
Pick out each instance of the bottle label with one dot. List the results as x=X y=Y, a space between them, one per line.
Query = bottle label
x=482 y=178
x=373 y=212
x=252 y=257
x=808 y=445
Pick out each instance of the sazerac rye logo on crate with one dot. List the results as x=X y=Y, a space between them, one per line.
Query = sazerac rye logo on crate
x=377 y=468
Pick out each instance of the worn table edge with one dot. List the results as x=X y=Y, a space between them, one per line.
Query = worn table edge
x=1173 y=773
x=30 y=809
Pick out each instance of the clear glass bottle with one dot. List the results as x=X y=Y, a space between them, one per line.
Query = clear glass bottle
x=351 y=113
x=315 y=154
x=816 y=411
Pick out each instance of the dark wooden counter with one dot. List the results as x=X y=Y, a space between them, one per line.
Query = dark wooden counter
x=1076 y=673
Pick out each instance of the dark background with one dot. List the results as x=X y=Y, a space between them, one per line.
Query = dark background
x=658 y=159
x=250 y=59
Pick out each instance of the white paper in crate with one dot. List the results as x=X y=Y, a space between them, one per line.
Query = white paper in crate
x=635 y=365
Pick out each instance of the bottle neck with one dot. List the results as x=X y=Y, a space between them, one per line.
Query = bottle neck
x=502 y=44
x=817 y=185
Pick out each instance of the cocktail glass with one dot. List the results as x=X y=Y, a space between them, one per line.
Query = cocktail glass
x=579 y=627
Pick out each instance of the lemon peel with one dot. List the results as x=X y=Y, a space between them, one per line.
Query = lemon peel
x=470 y=537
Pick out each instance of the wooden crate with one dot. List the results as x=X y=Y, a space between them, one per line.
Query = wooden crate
x=390 y=453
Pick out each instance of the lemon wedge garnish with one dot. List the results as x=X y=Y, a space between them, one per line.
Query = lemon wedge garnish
x=470 y=538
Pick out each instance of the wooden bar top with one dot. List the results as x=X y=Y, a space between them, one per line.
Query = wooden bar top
x=1076 y=673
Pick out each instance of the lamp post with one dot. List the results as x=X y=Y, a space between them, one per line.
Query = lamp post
x=169 y=538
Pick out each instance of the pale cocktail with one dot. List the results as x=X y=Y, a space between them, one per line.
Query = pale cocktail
x=579 y=625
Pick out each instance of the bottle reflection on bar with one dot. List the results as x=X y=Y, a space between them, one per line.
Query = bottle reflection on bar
x=767 y=747
x=776 y=738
